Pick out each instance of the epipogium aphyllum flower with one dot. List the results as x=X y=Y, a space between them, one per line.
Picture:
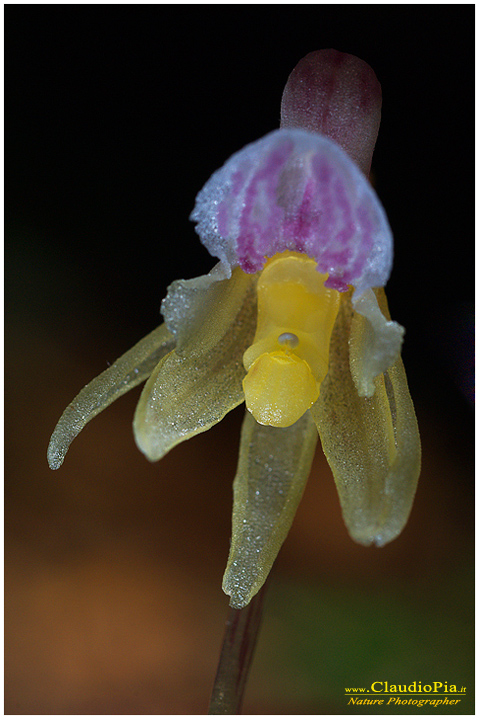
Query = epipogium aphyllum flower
x=292 y=320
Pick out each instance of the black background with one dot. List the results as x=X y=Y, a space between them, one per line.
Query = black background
x=116 y=117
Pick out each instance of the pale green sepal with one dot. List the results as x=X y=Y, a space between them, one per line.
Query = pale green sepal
x=193 y=389
x=273 y=468
x=372 y=444
x=375 y=342
x=189 y=303
x=129 y=370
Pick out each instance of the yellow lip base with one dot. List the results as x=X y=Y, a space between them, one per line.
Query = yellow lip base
x=288 y=359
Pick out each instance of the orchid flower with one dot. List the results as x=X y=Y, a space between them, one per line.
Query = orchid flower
x=293 y=321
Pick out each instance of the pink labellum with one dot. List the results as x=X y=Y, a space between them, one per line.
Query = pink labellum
x=299 y=191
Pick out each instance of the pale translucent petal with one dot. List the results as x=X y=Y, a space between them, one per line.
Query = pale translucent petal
x=372 y=444
x=189 y=303
x=129 y=370
x=193 y=389
x=375 y=341
x=272 y=471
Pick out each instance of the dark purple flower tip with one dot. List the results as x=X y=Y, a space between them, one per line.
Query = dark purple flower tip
x=338 y=95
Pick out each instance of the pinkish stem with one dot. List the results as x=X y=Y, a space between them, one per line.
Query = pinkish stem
x=241 y=632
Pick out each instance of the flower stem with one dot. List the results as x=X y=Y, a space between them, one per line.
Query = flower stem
x=236 y=655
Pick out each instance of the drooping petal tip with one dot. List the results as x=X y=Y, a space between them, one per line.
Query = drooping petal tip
x=273 y=468
x=371 y=443
x=127 y=372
